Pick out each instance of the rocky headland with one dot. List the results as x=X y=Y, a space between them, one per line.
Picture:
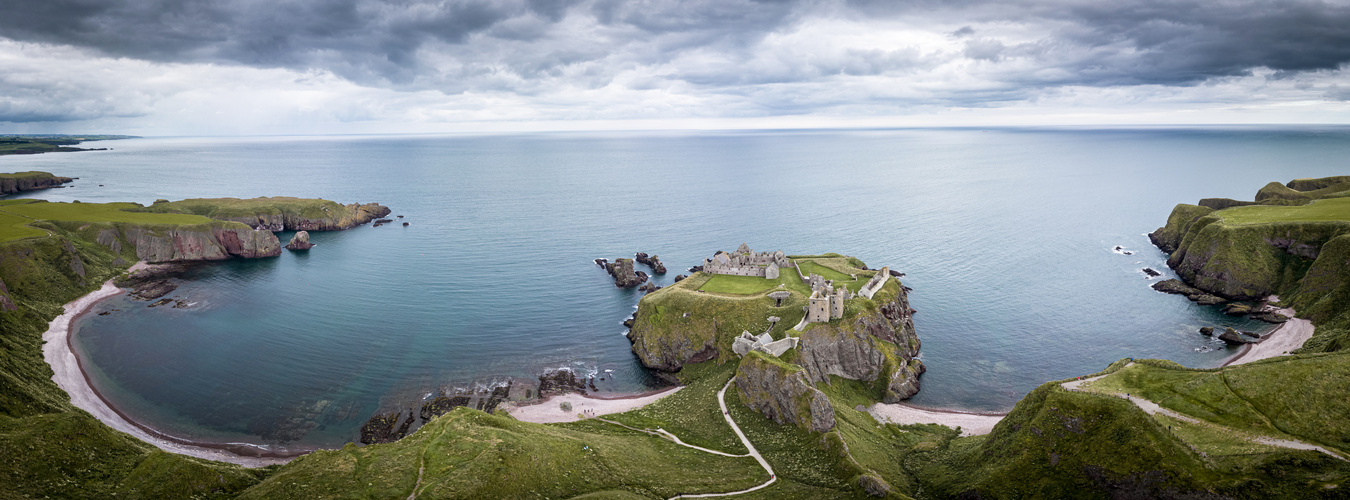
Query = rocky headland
x=1293 y=241
x=19 y=182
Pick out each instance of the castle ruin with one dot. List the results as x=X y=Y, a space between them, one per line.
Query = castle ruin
x=746 y=262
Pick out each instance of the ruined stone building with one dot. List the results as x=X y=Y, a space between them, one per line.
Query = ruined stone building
x=875 y=284
x=826 y=302
x=746 y=262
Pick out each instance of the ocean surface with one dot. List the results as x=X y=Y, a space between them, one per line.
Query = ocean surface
x=1006 y=236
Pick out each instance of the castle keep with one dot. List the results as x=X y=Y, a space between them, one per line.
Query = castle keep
x=746 y=262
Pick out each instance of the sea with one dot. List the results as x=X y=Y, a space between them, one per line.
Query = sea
x=1008 y=237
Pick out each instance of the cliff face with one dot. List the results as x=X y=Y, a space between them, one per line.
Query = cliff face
x=28 y=181
x=783 y=392
x=207 y=242
x=877 y=346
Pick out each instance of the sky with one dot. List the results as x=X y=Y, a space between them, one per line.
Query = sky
x=264 y=67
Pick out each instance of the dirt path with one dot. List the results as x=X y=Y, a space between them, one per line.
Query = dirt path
x=721 y=401
x=1152 y=408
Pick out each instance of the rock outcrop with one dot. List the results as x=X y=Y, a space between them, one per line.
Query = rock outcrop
x=879 y=348
x=561 y=380
x=6 y=301
x=624 y=276
x=300 y=241
x=1232 y=337
x=653 y=262
x=1176 y=287
x=30 y=181
x=783 y=392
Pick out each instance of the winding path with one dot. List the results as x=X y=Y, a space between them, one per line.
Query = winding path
x=721 y=401
x=1152 y=408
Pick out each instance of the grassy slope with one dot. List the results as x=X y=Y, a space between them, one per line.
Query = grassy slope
x=225 y=208
x=48 y=448
x=17 y=216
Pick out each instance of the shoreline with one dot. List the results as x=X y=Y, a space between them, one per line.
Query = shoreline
x=1281 y=341
x=970 y=423
x=69 y=374
x=539 y=411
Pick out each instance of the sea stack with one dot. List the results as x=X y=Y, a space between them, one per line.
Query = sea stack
x=300 y=241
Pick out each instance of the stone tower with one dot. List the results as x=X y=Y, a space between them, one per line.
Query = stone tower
x=837 y=302
x=818 y=308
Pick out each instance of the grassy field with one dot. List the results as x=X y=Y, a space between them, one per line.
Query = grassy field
x=15 y=215
x=750 y=285
x=838 y=269
x=1330 y=209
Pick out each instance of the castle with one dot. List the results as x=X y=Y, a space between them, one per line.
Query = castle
x=827 y=302
x=746 y=262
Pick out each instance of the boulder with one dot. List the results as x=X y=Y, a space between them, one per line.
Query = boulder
x=1151 y=272
x=1207 y=330
x=1175 y=286
x=782 y=392
x=300 y=241
x=1232 y=337
x=1269 y=317
x=649 y=287
x=1237 y=309
x=679 y=278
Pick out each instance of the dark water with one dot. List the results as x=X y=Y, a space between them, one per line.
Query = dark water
x=1006 y=236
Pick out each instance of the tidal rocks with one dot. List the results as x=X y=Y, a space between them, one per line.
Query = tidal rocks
x=383 y=221
x=151 y=282
x=382 y=428
x=1207 y=330
x=160 y=302
x=1232 y=337
x=1269 y=317
x=559 y=381
x=405 y=224
x=482 y=399
x=782 y=392
x=1151 y=272
x=153 y=289
x=649 y=287
x=1175 y=286
x=300 y=241
x=680 y=277
x=1236 y=309
x=696 y=269
x=624 y=276
x=603 y=263
x=653 y=262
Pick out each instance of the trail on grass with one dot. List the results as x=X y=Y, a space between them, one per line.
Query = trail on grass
x=721 y=401
x=1152 y=408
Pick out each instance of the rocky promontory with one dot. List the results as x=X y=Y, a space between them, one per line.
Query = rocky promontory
x=29 y=181
x=623 y=273
x=278 y=213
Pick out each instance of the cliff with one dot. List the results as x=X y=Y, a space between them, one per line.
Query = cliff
x=277 y=213
x=877 y=346
x=29 y=181
x=1292 y=241
x=783 y=392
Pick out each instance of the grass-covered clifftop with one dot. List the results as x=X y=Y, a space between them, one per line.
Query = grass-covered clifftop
x=1292 y=241
x=276 y=213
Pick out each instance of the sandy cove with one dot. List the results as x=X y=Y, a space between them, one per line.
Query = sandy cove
x=548 y=411
x=70 y=377
x=1287 y=337
x=971 y=424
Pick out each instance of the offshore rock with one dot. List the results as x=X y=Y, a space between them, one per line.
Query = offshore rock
x=300 y=241
x=1237 y=309
x=1207 y=330
x=624 y=276
x=783 y=393
x=1175 y=286
x=653 y=262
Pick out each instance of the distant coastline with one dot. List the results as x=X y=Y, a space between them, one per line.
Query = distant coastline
x=51 y=143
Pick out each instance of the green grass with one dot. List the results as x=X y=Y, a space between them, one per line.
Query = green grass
x=470 y=454
x=839 y=269
x=750 y=285
x=1331 y=209
x=692 y=413
x=16 y=216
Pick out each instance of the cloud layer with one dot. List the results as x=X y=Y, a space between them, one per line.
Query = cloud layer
x=549 y=60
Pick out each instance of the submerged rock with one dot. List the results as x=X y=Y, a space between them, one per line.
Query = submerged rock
x=1207 y=330
x=1237 y=309
x=1151 y=272
x=300 y=241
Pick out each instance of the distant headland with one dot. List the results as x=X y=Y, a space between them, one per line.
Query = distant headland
x=25 y=144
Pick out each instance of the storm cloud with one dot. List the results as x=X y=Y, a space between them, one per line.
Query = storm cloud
x=654 y=58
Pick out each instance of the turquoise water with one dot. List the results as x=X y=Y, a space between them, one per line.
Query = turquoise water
x=1006 y=236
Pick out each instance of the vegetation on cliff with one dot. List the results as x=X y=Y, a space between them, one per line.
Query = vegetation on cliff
x=1292 y=241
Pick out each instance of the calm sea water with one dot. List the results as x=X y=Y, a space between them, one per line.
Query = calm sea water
x=1006 y=236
